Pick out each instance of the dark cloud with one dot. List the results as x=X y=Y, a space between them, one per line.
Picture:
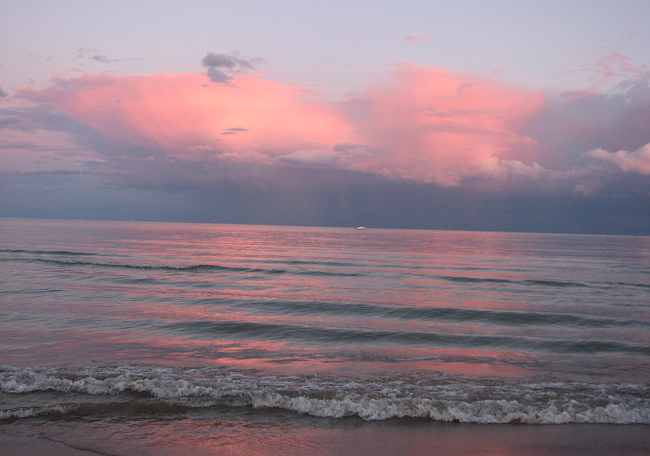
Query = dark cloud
x=573 y=124
x=103 y=59
x=227 y=193
x=234 y=131
x=222 y=67
x=96 y=56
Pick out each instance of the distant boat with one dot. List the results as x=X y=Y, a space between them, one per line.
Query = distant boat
x=360 y=228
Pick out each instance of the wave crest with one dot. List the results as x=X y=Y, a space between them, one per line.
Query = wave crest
x=436 y=397
x=186 y=268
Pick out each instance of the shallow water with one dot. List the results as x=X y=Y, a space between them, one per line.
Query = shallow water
x=222 y=432
x=330 y=322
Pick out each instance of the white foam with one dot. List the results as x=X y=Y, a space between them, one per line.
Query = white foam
x=436 y=398
x=28 y=412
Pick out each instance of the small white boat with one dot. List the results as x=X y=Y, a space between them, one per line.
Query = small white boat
x=360 y=228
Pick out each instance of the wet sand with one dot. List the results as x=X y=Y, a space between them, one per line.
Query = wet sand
x=271 y=435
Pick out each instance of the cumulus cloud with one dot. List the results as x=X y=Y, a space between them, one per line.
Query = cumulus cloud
x=423 y=125
x=637 y=161
x=278 y=118
x=424 y=142
x=570 y=125
x=431 y=125
x=426 y=125
x=223 y=67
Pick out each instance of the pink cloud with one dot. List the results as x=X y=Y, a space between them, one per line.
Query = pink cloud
x=251 y=118
x=436 y=126
x=637 y=161
x=428 y=125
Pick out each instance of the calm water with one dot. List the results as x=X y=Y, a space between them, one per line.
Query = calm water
x=109 y=319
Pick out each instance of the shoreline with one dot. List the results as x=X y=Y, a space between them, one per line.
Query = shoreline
x=279 y=433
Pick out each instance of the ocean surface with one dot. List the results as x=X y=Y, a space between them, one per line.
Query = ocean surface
x=156 y=330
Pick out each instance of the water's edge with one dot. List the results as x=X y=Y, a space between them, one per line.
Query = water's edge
x=52 y=392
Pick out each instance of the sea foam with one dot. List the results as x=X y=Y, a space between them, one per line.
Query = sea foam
x=435 y=397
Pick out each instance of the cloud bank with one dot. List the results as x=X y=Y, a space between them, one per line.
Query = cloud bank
x=425 y=139
x=426 y=125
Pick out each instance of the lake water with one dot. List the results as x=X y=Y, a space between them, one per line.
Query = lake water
x=159 y=323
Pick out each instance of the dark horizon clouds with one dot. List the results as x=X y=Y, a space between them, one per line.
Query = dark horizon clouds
x=427 y=147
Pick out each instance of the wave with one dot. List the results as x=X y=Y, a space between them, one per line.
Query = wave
x=297 y=262
x=246 y=329
x=83 y=407
x=311 y=262
x=187 y=268
x=547 y=283
x=33 y=291
x=48 y=252
x=628 y=284
x=437 y=313
x=162 y=391
x=539 y=282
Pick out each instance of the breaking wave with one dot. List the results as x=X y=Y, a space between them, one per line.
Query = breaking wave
x=161 y=390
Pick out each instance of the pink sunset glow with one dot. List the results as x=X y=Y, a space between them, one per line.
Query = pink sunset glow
x=427 y=125
x=436 y=126
x=324 y=228
x=251 y=118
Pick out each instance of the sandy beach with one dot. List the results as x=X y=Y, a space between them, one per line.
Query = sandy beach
x=278 y=434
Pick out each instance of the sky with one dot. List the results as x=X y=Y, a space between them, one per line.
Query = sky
x=503 y=115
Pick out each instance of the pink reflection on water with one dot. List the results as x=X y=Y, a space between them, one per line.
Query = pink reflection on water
x=119 y=312
x=74 y=347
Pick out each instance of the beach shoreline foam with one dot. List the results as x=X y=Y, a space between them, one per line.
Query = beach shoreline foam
x=441 y=398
